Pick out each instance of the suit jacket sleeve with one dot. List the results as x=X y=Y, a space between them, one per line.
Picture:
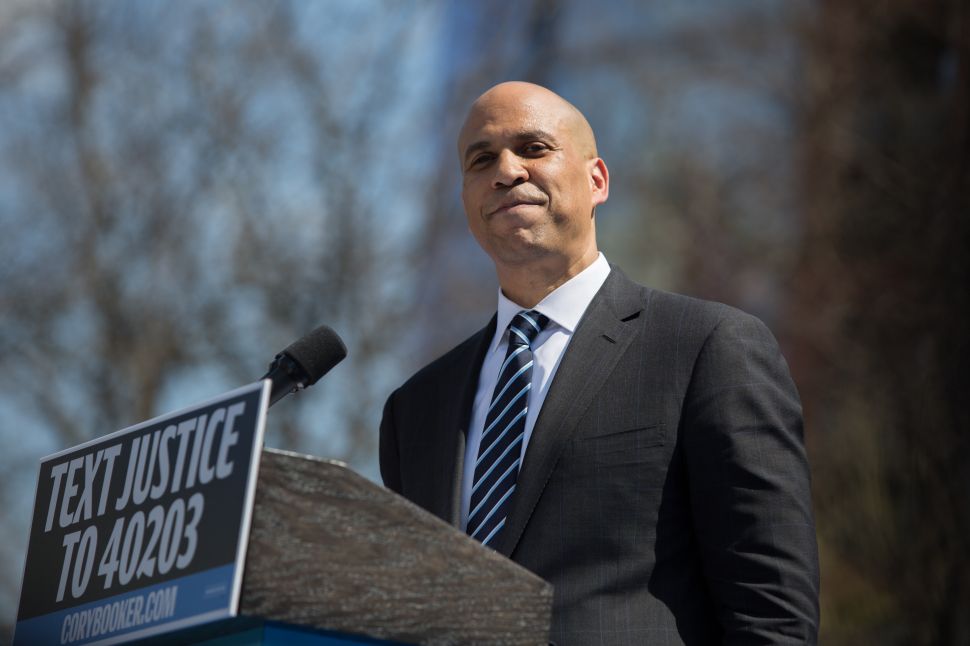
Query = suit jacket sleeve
x=749 y=487
x=388 y=450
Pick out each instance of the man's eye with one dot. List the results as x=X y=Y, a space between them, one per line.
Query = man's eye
x=480 y=160
x=534 y=148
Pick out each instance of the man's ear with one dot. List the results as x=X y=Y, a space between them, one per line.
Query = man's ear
x=599 y=179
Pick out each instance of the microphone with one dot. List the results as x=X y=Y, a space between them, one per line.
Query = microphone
x=304 y=361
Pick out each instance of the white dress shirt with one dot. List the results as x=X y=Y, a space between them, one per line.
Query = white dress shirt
x=564 y=307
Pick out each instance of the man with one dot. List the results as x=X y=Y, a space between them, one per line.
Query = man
x=640 y=450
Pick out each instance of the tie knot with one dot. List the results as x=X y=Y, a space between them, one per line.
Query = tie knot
x=526 y=326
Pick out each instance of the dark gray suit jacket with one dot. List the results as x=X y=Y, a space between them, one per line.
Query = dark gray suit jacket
x=665 y=490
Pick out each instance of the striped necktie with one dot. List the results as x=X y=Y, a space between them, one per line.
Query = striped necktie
x=500 y=450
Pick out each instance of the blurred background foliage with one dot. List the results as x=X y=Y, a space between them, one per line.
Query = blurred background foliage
x=187 y=187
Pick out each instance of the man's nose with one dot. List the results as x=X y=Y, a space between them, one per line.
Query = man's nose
x=509 y=170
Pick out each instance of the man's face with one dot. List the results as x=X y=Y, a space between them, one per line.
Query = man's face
x=530 y=177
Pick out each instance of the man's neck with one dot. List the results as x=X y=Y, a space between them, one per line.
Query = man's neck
x=527 y=285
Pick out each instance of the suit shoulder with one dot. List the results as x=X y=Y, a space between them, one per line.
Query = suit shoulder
x=689 y=313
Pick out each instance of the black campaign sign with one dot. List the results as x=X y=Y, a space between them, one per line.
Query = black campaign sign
x=159 y=501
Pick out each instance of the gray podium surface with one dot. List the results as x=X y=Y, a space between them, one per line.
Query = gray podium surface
x=331 y=550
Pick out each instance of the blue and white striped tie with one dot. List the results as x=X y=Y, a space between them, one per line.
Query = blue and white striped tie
x=500 y=450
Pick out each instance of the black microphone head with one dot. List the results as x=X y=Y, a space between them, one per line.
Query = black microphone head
x=317 y=353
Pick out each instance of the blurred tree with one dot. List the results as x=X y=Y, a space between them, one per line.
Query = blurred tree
x=185 y=190
x=879 y=316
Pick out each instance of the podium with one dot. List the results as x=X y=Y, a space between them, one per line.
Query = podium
x=183 y=530
x=334 y=558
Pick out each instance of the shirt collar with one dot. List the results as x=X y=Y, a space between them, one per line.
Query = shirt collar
x=564 y=306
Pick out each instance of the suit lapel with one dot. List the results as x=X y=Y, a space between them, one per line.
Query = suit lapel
x=600 y=340
x=456 y=414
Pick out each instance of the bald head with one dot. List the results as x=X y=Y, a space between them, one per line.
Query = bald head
x=537 y=104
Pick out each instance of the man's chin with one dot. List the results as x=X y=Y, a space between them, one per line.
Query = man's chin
x=521 y=249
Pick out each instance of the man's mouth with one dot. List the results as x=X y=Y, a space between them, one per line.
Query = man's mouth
x=508 y=205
